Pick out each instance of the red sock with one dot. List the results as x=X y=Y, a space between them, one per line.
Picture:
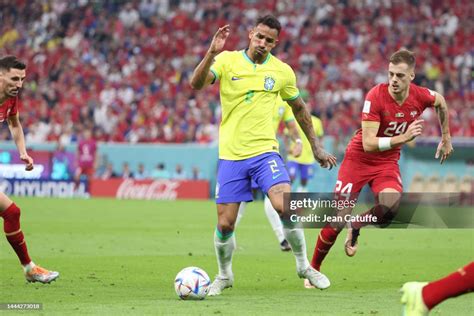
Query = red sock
x=11 y=226
x=326 y=239
x=457 y=283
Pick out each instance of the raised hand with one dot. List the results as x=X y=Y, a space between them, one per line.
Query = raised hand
x=218 y=41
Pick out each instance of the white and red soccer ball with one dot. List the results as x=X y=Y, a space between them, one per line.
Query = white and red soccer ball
x=192 y=283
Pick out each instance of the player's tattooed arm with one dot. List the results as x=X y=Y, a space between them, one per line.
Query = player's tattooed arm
x=445 y=147
x=303 y=117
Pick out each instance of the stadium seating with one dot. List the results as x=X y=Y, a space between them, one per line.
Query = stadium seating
x=450 y=184
x=466 y=185
x=433 y=184
x=418 y=184
x=122 y=67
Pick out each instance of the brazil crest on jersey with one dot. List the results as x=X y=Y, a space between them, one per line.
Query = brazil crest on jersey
x=248 y=94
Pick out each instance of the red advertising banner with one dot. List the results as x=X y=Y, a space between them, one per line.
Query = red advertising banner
x=149 y=189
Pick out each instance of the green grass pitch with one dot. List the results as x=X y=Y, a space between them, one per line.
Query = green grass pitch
x=120 y=258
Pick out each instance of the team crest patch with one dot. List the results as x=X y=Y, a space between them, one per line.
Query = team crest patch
x=269 y=83
x=413 y=113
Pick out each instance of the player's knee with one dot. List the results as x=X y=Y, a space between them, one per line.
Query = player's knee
x=11 y=218
x=226 y=229
x=11 y=213
x=390 y=198
x=225 y=226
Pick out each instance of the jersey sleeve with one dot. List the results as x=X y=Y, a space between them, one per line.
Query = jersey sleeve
x=426 y=96
x=289 y=91
x=218 y=67
x=14 y=108
x=371 y=110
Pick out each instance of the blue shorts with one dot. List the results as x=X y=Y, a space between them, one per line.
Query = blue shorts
x=254 y=185
x=234 y=177
x=305 y=171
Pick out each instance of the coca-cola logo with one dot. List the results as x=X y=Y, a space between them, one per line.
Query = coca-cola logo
x=155 y=190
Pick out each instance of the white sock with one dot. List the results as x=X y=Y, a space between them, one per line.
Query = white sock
x=241 y=213
x=295 y=237
x=274 y=220
x=29 y=266
x=302 y=189
x=225 y=247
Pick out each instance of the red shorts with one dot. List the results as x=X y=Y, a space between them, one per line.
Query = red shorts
x=354 y=175
x=87 y=171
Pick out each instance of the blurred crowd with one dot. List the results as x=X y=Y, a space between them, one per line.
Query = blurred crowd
x=122 y=67
x=105 y=170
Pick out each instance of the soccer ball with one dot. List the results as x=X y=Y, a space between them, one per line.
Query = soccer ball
x=192 y=283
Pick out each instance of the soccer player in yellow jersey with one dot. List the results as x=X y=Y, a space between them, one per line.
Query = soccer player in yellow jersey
x=281 y=112
x=303 y=164
x=250 y=81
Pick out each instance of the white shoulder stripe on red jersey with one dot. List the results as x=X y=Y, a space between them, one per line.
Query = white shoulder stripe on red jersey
x=366 y=108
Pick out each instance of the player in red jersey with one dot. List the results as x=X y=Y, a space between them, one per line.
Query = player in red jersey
x=419 y=298
x=390 y=118
x=12 y=76
x=86 y=154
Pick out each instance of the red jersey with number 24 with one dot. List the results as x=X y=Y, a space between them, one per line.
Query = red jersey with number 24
x=394 y=119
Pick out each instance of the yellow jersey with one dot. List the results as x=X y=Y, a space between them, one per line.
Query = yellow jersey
x=282 y=112
x=307 y=157
x=248 y=94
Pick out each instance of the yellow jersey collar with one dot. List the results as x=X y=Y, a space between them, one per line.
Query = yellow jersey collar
x=250 y=60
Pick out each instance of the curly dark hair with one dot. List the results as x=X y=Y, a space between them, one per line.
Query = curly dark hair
x=270 y=21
